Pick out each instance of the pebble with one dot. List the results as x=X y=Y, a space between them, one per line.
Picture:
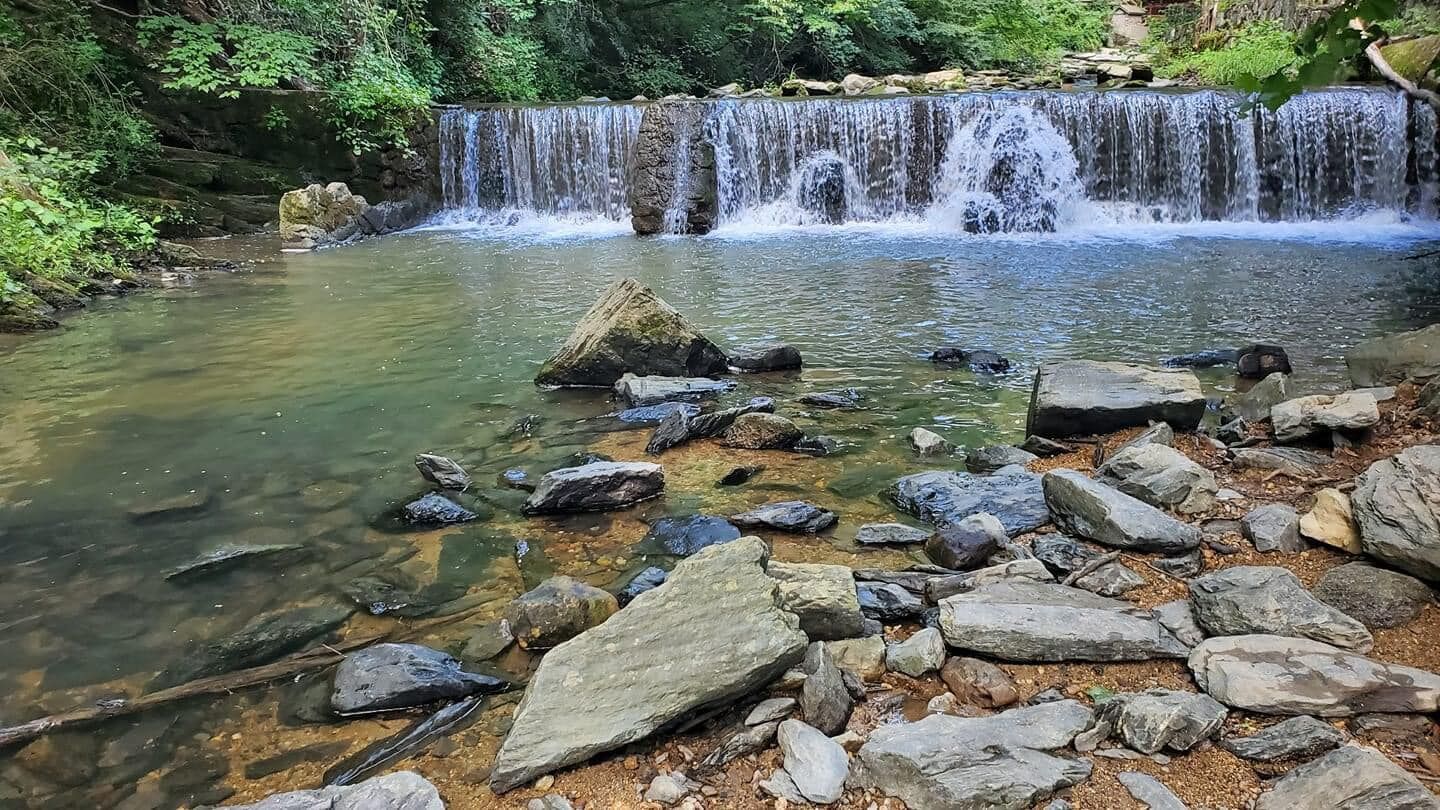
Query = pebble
x=545 y=782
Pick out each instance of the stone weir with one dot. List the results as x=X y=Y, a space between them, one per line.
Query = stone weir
x=978 y=162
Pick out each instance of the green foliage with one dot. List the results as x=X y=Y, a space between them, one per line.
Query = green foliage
x=52 y=228
x=1024 y=34
x=1259 y=50
x=1323 y=50
x=1417 y=19
x=222 y=57
x=375 y=103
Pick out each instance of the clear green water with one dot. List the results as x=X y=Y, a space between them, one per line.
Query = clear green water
x=296 y=393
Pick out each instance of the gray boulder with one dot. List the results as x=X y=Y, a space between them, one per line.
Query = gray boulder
x=1254 y=405
x=557 y=610
x=1150 y=791
x=863 y=656
x=1032 y=621
x=1179 y=618
x=1003 y=762
x=402 y=790
x=681 y=426
x=1377 y=597
x=1161 y=476
x=1395 y=358
x=1297 y=738
x=929 y=443
x=630 y=329
x=921 y=653
x=946 y=498
x=1247 y=599
x=596 y=487
x=986 y=460
x=825 y=702
x=1301 y=418
x=643 y=392
x=1284 y=675
x=939 y=587
x=1161 y=718
x=763 y=431
x=888 y=602
x=798 y=517
x=1082 y=397
x=1273 y=527
x=890 y=534
x=967 y=544
x=823 y=596
x=1348 y=778
x=398 y=676
x=1397 y=507
x=769 y=357
x=442 y=472
x=713 y=632
x=1096 y=512
x=815 y=763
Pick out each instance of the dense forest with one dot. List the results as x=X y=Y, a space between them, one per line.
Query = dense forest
x=76 y=77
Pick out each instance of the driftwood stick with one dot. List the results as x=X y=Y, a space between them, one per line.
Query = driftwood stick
x=1090 y=567
x=1153 y=567
x=219 y=684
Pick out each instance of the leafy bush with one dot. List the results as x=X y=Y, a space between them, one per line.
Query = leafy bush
x=1024 y=34
x=1259 y=50
x=222 y=57
x=1417 y=20
x=52 y=230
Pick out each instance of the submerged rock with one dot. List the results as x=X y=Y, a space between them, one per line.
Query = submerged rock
x=231 y=555
x=1032 y=621
x=403 y=790
x=946 y=498
x=1395 y=358
x=1096 y=512
x=787 y=516
x=686 y=535
x=435 y=509
x=890 y=534
x=630 y=329
x=1250 y=599
x=1297 y=738
x=773 y=357
x=763 y=431
x=1206 y=358
x=596 y=487
x=848 y=399
x=261 y=640
x=1284 y=675
x=1349 y=777
x=1397 y=507
x=716 y=631
x=648 y=579
x=739 y=475
x=639 y=392
x=1002 y=762
x=1081 y=397
x=556 y=611
x=189 y=504
x=397 y=676
x=980 y=361
x=442 y=472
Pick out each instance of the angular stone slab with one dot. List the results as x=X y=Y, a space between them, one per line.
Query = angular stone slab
x=1262 y=599
x=946 y=498
x=1349 y=778
x=1162 y=477
x=1032 y=621
x=1089 y=509
x=643 y=392
x=1283 y=675
x=1397 y=507
x=596 y=487
x=403 y=790
x=713 y=632
x=1300 y=418
x=1082 y=397
x=1298 y=737
x=1002 y=762
x=630 y=329
x=823 y=596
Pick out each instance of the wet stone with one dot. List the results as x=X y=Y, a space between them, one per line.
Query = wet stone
x=848 y=399
x=646 y=580
x=888 y=603
x=986 y=460
x=233 y=555
x=442 y=472
x=683 y=536
x=557 y=610
x=655 y=414
x=887 y=534
x=185 y=505
x=260 y=641
x=638 y=392
x=394 y=676
x=770 y=357
x=436 y=510
x=945 y=498
x=739 y=475
x=787 y=516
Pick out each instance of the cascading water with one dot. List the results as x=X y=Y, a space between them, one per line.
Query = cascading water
x=980 y=162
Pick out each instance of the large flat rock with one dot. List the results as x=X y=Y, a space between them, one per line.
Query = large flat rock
x=1082 y=397
x=1349 y=778
x=630 y=329
x=1397 y=507
x=1284 y=675
x=1092 y=510
x=1263 y=599
x=1034 y=621
x=713 y=632
x=1394 y=358
x=1002 y=762
x=596 y=487
x=945 y=498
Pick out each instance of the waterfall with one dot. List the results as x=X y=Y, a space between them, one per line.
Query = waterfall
x=979 y=162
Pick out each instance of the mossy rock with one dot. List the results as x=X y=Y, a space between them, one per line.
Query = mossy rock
x=1413 y=58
